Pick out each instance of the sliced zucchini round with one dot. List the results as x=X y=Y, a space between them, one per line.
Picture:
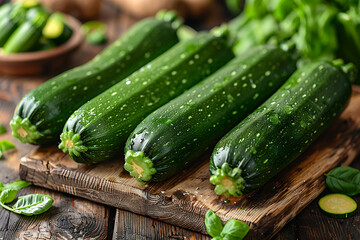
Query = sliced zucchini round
x=338 y=205
x=53 y=28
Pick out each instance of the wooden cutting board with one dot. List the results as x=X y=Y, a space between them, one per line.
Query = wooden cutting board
x=184 y=199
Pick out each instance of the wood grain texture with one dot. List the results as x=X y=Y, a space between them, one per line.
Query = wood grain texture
x=312 y=223
x=184 y=200
x=132 y=226
x=70 y=217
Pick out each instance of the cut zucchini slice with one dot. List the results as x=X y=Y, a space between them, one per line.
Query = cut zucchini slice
x=338 y=205
x=30 y=3
x=53 y=28
x=56 y=29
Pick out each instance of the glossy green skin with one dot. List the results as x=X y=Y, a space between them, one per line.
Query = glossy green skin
x=9 y=22
x=64 y=32
x=105 y=122
x=49 y=106
x=5 y=9
x=64 y=36
x=7 y=27
x=176 y=134
x=285 y=125
x=26 y=36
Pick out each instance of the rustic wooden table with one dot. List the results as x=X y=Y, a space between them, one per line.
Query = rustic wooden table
x=76 y=218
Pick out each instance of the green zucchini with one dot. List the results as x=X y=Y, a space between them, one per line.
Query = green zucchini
x=56 y=29
x=98 y=130
x=26 y=36
x=176 y=134
x=279 y=130
x=338 y=205
x=30 y=3
x=44 y=44
x=40 y=116
x=32 y=13
x=10 y=22
x=5 y=10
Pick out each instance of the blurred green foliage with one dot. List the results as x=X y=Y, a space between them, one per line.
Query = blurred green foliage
x=316 y=29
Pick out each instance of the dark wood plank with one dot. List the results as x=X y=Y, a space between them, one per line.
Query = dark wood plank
x=70 y=217
x=184 y=200
x=311 y=223
x=132 y=226
x=328 y=228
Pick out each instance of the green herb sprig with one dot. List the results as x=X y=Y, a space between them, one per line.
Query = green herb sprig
x=29 y=205
x=232 y=230
x=5 y=145
x=315 y=30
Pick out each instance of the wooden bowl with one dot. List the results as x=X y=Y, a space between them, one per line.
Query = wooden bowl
x=42 y=62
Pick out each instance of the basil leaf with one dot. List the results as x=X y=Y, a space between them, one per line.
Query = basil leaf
x=2 y=129
x=5 y=145
x=32 y=204
x=213 y=224
x=8 y=195
x=234 y=230
x=16 y=185
x=345 y=180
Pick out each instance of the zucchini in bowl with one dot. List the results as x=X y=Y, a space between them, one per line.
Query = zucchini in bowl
x=41 y=115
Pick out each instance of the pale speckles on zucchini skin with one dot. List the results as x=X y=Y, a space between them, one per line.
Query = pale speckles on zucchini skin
x=285 y=125
x=177 y=134
x=105 y=122
x=49 y=106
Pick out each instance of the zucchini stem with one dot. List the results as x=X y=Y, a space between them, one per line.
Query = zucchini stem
x=24 y=130
x=71 y=144
x=139 y=166
x=228 y=181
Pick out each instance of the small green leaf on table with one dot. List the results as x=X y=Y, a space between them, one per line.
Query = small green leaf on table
x=8 y=195
x=16 y=185
x=233 y=229
x=5 y=145
x=213 y=224
x=345 y=180
x=32 y=204
x=2 y=129
x=29 y=205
